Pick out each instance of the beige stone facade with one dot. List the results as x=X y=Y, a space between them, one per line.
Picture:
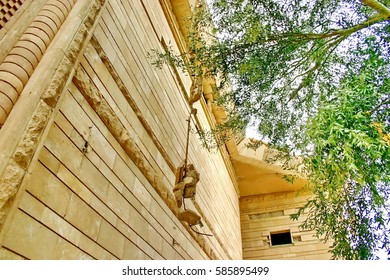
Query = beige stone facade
x=267 y=214
x=92 y=135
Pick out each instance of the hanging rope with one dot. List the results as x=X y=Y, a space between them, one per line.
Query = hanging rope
x=201 y=233
x=186 y=154
x=184 y=202
x=187 y=148
x=188 y=142
x=193 y=111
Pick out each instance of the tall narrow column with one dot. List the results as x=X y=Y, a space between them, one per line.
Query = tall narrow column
x=20 y=63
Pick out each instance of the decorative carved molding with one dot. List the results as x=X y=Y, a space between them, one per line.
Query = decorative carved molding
x=20 y=63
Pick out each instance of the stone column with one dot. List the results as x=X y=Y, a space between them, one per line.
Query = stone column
x=20 y=63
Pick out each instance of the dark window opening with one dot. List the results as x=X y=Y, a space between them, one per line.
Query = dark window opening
x=280 y=238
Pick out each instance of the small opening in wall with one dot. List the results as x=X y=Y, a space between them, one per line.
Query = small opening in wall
x=280 y=238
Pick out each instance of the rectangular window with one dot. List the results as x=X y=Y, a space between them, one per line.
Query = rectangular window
x=281 y=237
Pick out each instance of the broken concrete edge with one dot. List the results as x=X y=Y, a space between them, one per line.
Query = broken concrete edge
x=9 y=186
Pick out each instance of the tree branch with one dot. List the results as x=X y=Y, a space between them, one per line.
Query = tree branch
x=337 y=32
x=379 y=7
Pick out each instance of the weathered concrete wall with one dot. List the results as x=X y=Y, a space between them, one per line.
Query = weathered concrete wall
x=269 y=213
x=90 y=148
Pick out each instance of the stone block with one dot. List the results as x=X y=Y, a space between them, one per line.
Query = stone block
x=36 y=40
x=83 y=217
x=67 y=251
x=102 y=147
x=135 y=203
x=289 y=212
x=49 y=189
x=142 y=194
x=132 y=252
x=62 y=148
x=6 y=254
x=268 y=252
x=64 y=124
x=93 y=179
x=8 y=91
x=129 y=233
x=118 y=204
x=75 y=115
x=169 y=252
x=56 y=11
x=94 y=249
x=13 y=80
x=308 y=237
x=16 y=70
x=111 y=239
x=324 y=255
x=31 y=205
x=21 y=61
x=95 y=68
x=146 y=248
x=302 y=247
x=123 y=172
x=103 y=210
x=49 y=160
x=155 y=239
x=25 y=237
x=258 y=243
x=43 y=21
x=74 y=184
x=138 y=224
x=105 y=43
x=60 y=226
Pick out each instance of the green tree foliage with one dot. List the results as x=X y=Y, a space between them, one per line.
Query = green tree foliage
x=285 y=57
x=348 y=159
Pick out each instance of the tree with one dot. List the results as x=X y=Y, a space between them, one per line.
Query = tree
x=284 y=57
x=348 y=159
x=314 y=77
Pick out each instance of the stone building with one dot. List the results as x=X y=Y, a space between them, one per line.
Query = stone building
x=92 y=136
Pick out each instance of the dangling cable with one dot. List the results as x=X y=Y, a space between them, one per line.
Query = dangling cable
x=185 y=166
x=201 y=233
x=186 y=154
x=187 y=143
x=184 y=202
